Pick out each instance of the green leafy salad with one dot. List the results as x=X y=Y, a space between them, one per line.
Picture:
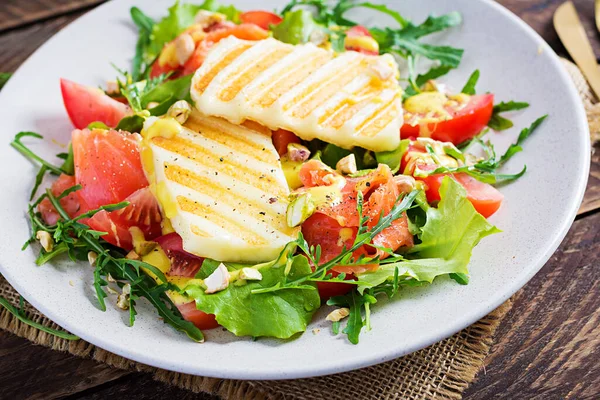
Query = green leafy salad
x=251 y=167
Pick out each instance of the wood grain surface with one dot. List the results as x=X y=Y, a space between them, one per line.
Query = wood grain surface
x=547 y=348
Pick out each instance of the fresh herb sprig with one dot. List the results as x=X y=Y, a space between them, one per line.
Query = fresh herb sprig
x=485 y=170
x=500 y=123
x=19 y=313
x=4 y=77
x=364 y=236
x=80 y=240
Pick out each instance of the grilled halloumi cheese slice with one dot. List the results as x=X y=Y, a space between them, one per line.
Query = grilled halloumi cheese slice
x=221 y=186
x=349 y=99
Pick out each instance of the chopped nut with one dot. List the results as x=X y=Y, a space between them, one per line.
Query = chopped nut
x=250 y=274
x=92 y=256
x=184 y=48
x=300 y=210
x=207 y=18
x=45 y=240
x=315 y=331
x=338 y=315
x=218 y=280
x=297 y=152
x=123 y=298
x=132 y=255
x=405 y=183
x=180 y=111
x=347 y=165
x=123 y=302
x=110 y=278
x=112 y=87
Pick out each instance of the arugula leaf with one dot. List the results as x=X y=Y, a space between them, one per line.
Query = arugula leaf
x=141 y=61
x=498 y=122
x=448 y=237
x=469 y=87
x=296 y=27
x=19 y=313
x=131 y=123
x=421 y=79
x=180 y=17
x=208 y=267
x=244 y=312
x=524 y=134
x=4 y=77
x=78 y=240
x=25 y=151
x=344 y=6
x=232 y=13
x=404 y=41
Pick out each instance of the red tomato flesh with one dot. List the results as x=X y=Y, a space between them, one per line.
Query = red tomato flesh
x=485 y=198
x=202 y=320
x=358 y=31
x=183 y=263
x=70 y=203
x=264 y=19
x=464 y=124
x=87 y=104
x=109 y=169
x=334 y=226
x=281 y=139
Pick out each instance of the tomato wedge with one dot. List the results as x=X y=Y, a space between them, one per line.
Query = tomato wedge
x=143 y=212
x=462 y=122
x=107 y=166
x=281 y=139
x=87 y=104
x=334 y=225
x=202 y=320
x=485 y=198
x=264 y=19
x=109 y=169
x=183 y=263
x=70 y=203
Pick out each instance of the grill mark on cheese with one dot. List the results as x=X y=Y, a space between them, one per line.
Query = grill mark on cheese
x=199 y=232
x=214 y=189
x=379 y=120
x=208 y=77
x=234 y=141
x=229 y=224
x=212 y=161
x=235 y=85
x=348 y=107
x=291 y=78
x=326 y=89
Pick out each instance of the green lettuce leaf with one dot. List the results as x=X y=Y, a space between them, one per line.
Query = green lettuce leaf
x=296 y=27
x=181 y=16
x=279 y=314
x=448 y=237
x=393 y=158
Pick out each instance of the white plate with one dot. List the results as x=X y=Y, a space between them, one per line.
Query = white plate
x=515 y=63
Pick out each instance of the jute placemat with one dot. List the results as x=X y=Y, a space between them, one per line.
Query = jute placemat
x=441 y=371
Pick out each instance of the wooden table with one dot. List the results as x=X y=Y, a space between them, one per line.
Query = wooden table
x=547 y=348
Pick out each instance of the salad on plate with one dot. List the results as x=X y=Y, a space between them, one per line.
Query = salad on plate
x=251 y=167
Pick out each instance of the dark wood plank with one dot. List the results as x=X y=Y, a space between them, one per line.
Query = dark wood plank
x=16 y=13
x=18 y=44
x=35 y=372
x=547 y=347
x=138 y=386
x=538 y=14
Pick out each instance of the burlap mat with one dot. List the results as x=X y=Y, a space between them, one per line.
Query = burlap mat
x=441 y=371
